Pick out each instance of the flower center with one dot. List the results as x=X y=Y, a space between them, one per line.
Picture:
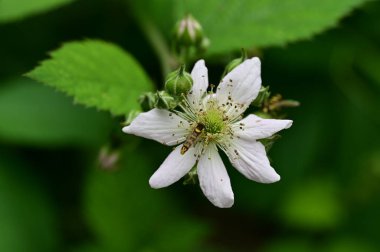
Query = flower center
x=213 y=121
x=209 y=123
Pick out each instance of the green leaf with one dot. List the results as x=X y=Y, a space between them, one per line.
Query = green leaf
x=28 y=222
x=11 y=10
x=231 y=25
x=34 y=114
x=128 y=215
x=95 y=73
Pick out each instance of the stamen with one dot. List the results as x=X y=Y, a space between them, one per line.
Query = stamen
x=187 y=108
x=184 y=115
x=212 y=87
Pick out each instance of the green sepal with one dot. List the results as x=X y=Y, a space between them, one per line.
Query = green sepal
x=262 y=97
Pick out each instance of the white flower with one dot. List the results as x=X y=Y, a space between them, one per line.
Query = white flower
x=220 y=115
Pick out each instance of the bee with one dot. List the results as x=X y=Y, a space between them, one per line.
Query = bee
x=192 y=138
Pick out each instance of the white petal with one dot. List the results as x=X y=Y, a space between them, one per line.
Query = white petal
x=160 y=125
x=253 y=127
x=200 y=84
x=174 y=167
x=250 y=159
x=213 y=178
x=240 y=87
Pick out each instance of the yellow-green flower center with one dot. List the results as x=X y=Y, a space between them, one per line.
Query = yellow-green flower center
x=213 y=121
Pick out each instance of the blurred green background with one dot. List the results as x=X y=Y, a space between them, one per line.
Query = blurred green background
x=54 y=196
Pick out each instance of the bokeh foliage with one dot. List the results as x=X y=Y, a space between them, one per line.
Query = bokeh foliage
x=54 y=194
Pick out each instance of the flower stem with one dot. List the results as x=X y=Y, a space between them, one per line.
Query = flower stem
x=156 y=39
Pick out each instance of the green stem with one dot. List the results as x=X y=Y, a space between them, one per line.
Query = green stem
x=159 y=44
x=184 y=55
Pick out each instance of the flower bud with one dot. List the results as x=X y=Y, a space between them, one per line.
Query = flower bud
x=188 y=32
x=147 y=101
x=235 y=62
x=191 y=177
x=178 y=82
x=262 y=97
x=165 y=101
x=108 y=158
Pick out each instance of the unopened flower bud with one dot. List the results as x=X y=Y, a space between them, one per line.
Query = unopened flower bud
x=262 y=97
x=108 y=158
x=191 y=177
x=165 y=101
x=235 y=62
x=188 y=32
x=147 y=101
x=178 y=82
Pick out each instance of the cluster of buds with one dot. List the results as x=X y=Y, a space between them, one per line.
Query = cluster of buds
x=177 y=85
x=159 y=99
